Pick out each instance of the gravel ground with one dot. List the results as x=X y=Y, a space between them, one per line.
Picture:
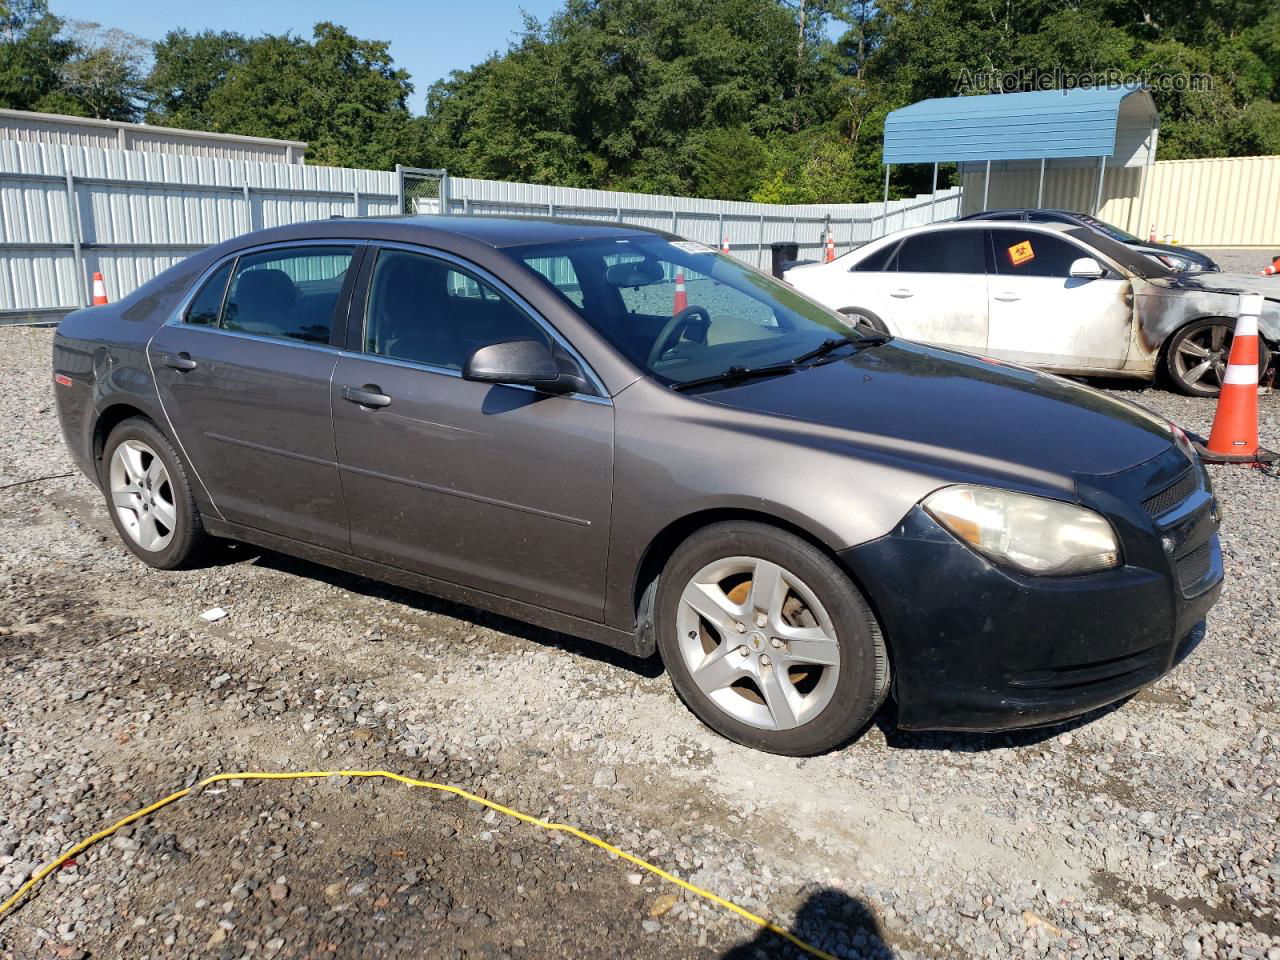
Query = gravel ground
x=1147 y=831
x=1242 y=259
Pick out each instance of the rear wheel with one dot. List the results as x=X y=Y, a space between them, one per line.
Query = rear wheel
x=149 y=498
x=767 y=641
x=1197 y=355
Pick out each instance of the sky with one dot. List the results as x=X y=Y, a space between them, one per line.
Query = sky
x=429 y=38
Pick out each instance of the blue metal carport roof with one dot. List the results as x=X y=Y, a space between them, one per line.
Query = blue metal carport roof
x=1045 y=124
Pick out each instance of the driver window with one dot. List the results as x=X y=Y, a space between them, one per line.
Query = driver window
x=432 y=312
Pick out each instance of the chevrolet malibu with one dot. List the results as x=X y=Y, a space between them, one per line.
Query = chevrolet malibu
x=801 y=517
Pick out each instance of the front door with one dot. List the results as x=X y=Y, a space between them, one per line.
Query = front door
x=1044 y=317
x=244 y=379
x=498 y=488
x=936 y=291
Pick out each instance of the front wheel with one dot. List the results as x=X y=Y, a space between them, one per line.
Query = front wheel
x=1197 y=356
x=767 y=641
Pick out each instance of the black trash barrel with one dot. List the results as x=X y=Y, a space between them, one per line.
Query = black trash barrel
x=782 y=253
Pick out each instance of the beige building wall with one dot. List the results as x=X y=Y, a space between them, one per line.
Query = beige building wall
x=1216 y=202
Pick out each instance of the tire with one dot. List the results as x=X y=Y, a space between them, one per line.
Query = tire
x=148 y=497
x=1204 y=341
x=708 y=590
x=866 y=318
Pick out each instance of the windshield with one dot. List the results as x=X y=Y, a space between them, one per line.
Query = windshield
x=1127 y=257
x=727 y=316
x=1115 y=233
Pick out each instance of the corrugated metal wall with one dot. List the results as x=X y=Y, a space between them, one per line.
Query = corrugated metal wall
x=750 y=227
x=1216 y=202
x=131 y=215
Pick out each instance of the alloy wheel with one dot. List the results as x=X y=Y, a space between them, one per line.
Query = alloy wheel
x=142 y=495
x=1200 y=358
x=758 y=643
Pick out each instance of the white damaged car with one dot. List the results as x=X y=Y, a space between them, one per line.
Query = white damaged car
x=1059 y=298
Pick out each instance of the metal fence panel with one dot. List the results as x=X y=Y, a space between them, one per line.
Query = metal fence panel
x=67 y=211
x=131 y=215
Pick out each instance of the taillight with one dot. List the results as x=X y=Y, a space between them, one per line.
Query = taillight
x=62 y=380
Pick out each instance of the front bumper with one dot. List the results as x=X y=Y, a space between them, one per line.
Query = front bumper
x=978 y=647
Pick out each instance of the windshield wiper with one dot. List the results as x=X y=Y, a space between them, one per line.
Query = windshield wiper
x=835 y=343
x=736 y=373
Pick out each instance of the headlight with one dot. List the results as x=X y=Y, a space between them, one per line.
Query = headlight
x=1031 y=534
x=1183 y=442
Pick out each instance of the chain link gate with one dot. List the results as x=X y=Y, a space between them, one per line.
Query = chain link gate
x=422 y=190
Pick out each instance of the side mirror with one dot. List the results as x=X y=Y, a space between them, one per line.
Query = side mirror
x=521 y=363
x=1087 y=268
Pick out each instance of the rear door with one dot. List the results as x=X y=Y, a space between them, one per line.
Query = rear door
x=938 y=292
x=1041 y=315
x=495 y=487
x=243 y=375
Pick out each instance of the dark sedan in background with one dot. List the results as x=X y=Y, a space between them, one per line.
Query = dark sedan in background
x=799 y=515
x=1178 y=259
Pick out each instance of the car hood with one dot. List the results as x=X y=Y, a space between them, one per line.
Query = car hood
x=929 y=404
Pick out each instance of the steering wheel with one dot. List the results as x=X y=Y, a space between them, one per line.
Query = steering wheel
x=672 y=330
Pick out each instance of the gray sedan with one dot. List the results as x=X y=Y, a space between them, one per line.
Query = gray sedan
x=537 y=418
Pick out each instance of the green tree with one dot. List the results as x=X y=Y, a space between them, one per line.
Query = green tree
x=103 y=77
x=31 y=53
x=187 y=69
x=629 y=94
x=341 y=94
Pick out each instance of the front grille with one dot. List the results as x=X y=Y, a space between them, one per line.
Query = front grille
x=1172 y=495
x=1194 y=567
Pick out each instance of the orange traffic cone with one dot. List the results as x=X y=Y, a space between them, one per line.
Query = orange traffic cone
x=831 y=244
x=1152 y=238
x=681 y=300
x=1274 y=269
x=1234 y=438
x=724 y=246
x=99 y=289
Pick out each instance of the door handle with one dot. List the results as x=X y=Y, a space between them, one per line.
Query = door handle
x=370 y=395
x=179 y=361
x=902 y=293
x=1007 y=297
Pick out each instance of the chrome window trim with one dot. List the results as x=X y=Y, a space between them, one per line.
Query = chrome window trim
x=179 y=315
x=502 y=287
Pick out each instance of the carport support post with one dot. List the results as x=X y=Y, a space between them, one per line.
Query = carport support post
x=1040 y=189
x=884 y=210
x=1102 y=172
x=986 y=185
x=933 y=197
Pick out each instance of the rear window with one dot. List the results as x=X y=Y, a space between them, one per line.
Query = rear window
x=288 y=294
x=206 y=307
x=879 y=260
x=942 y=251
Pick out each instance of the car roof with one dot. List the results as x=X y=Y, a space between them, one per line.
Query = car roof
x=1002 y=211
x=496 y=231
x=971 y=225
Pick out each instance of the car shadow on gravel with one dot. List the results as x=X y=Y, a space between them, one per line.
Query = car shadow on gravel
x=830 y=920
x=650 y=667
x=962 y=742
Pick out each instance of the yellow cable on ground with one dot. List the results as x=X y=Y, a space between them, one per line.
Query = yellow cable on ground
x=410 y=782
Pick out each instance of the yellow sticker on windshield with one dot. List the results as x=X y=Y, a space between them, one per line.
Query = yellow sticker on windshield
x=1020 y=253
